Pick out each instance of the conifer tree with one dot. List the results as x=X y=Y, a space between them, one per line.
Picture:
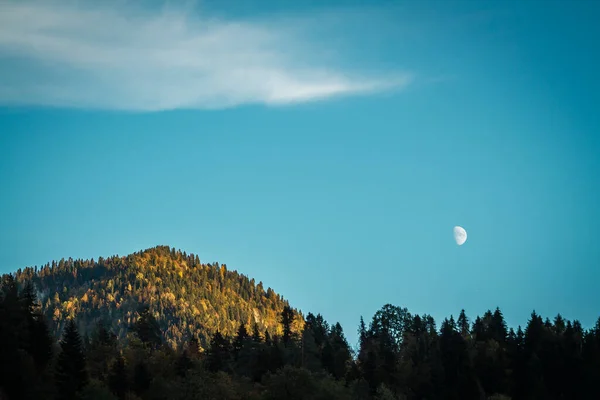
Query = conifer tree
x=41 y=342
x=147 y=329
x=12 y=324
x=218 y=353
x=362 y=333
x=35 y=337
x=498 y=326
x=463 y=324
x=71 y=375
x=287 y=318
x=240 y=339
x=336 y=353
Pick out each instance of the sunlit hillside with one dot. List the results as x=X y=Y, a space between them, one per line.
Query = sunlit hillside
x=188 y=298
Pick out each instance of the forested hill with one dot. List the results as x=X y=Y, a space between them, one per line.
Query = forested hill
x=401 y=356
x=188 y=298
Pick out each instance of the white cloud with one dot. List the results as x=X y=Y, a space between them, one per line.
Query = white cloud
x=119 y=57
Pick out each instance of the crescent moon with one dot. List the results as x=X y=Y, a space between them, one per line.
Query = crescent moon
x=460 y=235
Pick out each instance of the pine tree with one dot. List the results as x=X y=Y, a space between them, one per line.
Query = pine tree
x=71 y=375
x=336 y=354
x=463 y=324
x=41 y=342
x=35 y=338
x=276 y=356
x=573 y=371
x=311 y=354
x=147 y=329
x=533 y=345
x=12 y=323
x=559 y=324
x=287 y=319
x=498 y=326
x=218 y=353
x=240 y=339
x=29 y=299
x=459 y=377
x=362 y=333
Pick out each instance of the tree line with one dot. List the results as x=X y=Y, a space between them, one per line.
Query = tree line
x=399 y=356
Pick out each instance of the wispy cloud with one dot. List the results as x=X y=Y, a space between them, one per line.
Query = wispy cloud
x=78 y=54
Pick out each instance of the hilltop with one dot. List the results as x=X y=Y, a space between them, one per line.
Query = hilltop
x=188 y=298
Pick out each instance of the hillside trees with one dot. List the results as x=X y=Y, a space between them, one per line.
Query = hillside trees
x=400 y=355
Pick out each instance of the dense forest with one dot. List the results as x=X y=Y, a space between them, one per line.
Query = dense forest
x=399 y=355
x=188 y=298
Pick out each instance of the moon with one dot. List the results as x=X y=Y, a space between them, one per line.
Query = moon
x=460 y=235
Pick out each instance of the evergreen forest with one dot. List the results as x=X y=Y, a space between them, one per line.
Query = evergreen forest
x=159 y=324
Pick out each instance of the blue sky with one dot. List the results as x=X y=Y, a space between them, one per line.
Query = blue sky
x=326 y=149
